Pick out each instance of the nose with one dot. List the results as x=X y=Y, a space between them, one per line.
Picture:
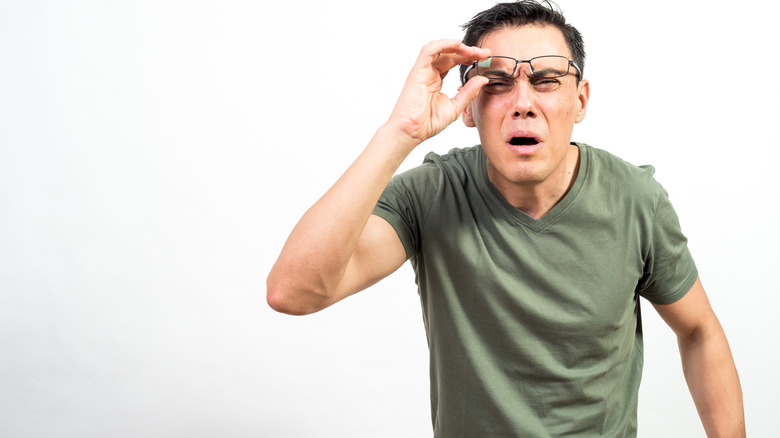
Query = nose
x=523 y=99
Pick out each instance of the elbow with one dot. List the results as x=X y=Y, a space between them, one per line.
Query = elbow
x=276 y=300
x=281 y=303
x=285 y=299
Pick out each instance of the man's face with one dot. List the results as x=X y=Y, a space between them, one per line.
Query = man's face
x=525 y=127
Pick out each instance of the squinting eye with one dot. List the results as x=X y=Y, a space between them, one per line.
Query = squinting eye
x=546 y=84
x=497 y=86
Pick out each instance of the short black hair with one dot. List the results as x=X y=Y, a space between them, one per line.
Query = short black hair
x=523 y=13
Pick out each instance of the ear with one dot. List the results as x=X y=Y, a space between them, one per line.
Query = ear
x=466 y=115
x=583 y=90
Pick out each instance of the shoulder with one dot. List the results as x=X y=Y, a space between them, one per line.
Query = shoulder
x=457 y=164
x=458 y=157
x=411 y=197
x=618 y=176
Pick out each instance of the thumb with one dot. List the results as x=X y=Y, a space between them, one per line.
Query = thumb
x=468 y=92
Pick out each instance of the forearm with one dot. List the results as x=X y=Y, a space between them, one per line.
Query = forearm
x=319 y=263
x=316 y=254
x=713 y=381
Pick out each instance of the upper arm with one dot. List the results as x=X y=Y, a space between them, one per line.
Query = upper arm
x=379 y=253
x=707 y=363
x=689 y=315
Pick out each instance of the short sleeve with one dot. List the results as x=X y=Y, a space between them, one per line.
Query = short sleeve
x=669 y=271
x=406 y=202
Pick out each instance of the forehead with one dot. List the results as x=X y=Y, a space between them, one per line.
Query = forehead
x=526 y=42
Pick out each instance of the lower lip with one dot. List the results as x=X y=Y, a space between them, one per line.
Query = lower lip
x=524 y=150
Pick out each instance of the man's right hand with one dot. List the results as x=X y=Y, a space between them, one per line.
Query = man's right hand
x=338 y=248
x=422 y=110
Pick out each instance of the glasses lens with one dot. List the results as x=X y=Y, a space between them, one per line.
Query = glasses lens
x=550 y=66
x=496 y=67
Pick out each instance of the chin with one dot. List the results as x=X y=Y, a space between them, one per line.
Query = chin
x=520 y=174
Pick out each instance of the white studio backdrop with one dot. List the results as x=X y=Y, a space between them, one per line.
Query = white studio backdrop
x=154 y=155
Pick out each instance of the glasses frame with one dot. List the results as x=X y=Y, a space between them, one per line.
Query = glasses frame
x=571 y=63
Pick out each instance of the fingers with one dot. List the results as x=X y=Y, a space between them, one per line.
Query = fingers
x=468 y=92
x=447 y=53
x=422 y=111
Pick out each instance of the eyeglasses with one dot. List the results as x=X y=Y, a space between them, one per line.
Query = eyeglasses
x=503 y=67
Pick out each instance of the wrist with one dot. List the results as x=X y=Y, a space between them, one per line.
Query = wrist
x=393 y=132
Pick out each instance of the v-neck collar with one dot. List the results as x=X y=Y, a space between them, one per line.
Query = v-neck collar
x=556 y=212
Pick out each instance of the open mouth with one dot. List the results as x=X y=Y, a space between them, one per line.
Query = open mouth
x=523 y=141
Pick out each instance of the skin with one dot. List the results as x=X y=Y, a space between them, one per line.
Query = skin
x=339 y=248
x=707 y=362
x=531 y=180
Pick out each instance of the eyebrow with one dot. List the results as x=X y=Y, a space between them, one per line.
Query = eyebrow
x=548 y=70
x=499 y=73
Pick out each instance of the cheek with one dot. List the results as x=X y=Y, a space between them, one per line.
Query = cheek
x=561 y=111
x=488 y=110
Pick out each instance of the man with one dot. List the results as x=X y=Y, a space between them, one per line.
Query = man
x=530 y=251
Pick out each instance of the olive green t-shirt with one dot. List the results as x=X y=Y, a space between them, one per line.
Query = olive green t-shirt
x=533 y=325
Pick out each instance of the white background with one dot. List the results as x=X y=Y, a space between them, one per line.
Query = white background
x=154 y=155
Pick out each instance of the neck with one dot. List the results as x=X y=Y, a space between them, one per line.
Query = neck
x=536 y=199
